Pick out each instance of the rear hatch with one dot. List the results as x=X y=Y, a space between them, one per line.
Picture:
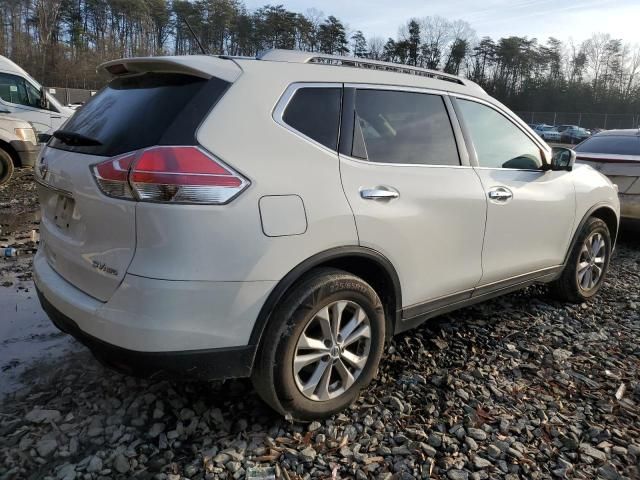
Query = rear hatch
x=88 y=238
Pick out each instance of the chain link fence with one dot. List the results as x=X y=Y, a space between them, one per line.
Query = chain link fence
x=607 y=121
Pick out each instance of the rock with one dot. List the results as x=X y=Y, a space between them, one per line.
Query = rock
x=593 y=452
x=476 y=434
x=480 y=462
x=608 y=472
x=221 y=458
x=156 y=429
x=471 y=443
x=435 y=440
x=308 y=455
x=313 y=426
x=457 y=475
x=46 y=446
x=494 y=451
x=95 y=464
x=634 y=449
x=400 y=450
x=67 y=472
x=233 y=466
x=41 y=416
x=121 y=464
x=561 y=355
x=396 y=404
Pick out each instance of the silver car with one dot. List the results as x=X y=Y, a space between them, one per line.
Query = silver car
x=616 y=154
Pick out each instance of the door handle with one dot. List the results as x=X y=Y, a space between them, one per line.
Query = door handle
x=379 y=193
x=500 y=194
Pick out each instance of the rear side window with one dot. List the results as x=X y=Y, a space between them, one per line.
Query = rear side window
x=403 y=127
x=315 y=112
x=611 y=144
x=140 y=111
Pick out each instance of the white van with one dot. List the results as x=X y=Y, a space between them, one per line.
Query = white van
x=22 y=97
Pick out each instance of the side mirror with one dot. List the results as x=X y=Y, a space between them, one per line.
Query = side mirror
x=562 y=159
x=43 y=137
x=44 y=101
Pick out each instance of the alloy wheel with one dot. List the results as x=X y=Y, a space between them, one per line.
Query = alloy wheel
x=332 y=350
x=591 y=262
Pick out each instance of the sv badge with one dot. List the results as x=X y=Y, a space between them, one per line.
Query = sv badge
x=103 y=267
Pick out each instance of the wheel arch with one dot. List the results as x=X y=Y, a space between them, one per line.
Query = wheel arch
x=604 y=212
x=366 y=263
x=12 y=153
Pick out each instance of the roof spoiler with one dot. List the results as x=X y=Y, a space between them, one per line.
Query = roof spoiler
x=203 y=66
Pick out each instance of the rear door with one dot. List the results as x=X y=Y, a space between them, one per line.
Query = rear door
x=87 y=237
x=530 y=210
x=414 y=198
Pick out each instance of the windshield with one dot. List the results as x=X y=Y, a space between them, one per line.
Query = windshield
x=611 y=144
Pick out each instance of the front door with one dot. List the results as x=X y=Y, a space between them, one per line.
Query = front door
x=530 y=211
x=19 y=98
x=413 y=199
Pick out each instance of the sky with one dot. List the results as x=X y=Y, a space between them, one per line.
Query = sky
x=563 y=19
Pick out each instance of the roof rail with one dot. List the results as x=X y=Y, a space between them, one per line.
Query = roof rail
x=354 y=62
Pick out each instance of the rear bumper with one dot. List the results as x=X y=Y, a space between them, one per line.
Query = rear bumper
x=27 y=152
x=200 y=329
x=217 y=363
x=630 y=206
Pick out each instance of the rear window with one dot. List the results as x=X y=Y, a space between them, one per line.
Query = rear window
x=612 y=144
x=315 y=112
x=143 y=110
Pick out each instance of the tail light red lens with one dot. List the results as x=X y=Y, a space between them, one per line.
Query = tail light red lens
x=182 y=174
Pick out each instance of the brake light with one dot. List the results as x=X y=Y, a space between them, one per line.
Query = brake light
x=176 y=174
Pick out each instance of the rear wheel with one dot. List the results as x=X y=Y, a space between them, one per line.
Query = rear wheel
x=323 y=346
x=6 y=167
x=588 y=263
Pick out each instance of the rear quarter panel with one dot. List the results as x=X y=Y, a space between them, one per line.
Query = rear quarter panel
x=227 y=242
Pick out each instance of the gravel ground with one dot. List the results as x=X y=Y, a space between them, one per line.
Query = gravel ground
x=519 y=387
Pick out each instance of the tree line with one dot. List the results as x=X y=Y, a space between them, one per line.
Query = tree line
x=60 y=42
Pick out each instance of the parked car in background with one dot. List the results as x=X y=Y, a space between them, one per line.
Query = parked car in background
x=75 y=106
x=18 y=146
x=616 y=154
x=548 y=133
x=572 y=133
x=281 y=217
x=22 y=97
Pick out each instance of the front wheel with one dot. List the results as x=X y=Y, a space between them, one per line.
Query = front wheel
x=323 y=346
x=587 y=265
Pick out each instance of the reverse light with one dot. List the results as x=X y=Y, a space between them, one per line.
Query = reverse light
x=171 y=174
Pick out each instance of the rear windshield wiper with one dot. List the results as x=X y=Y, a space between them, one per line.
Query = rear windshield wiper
x=75 y=139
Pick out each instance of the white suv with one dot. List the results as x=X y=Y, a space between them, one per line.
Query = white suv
x=281 y=217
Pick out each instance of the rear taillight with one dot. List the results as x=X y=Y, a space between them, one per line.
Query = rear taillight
x=169 y=174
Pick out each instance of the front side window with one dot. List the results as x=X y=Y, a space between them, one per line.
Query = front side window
x=498 y=142
x=15 y=89
x=315 y=112
x=403 y=127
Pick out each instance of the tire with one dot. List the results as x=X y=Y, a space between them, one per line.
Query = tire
x=6 y=167
x=320 y=295
x=577 y=283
